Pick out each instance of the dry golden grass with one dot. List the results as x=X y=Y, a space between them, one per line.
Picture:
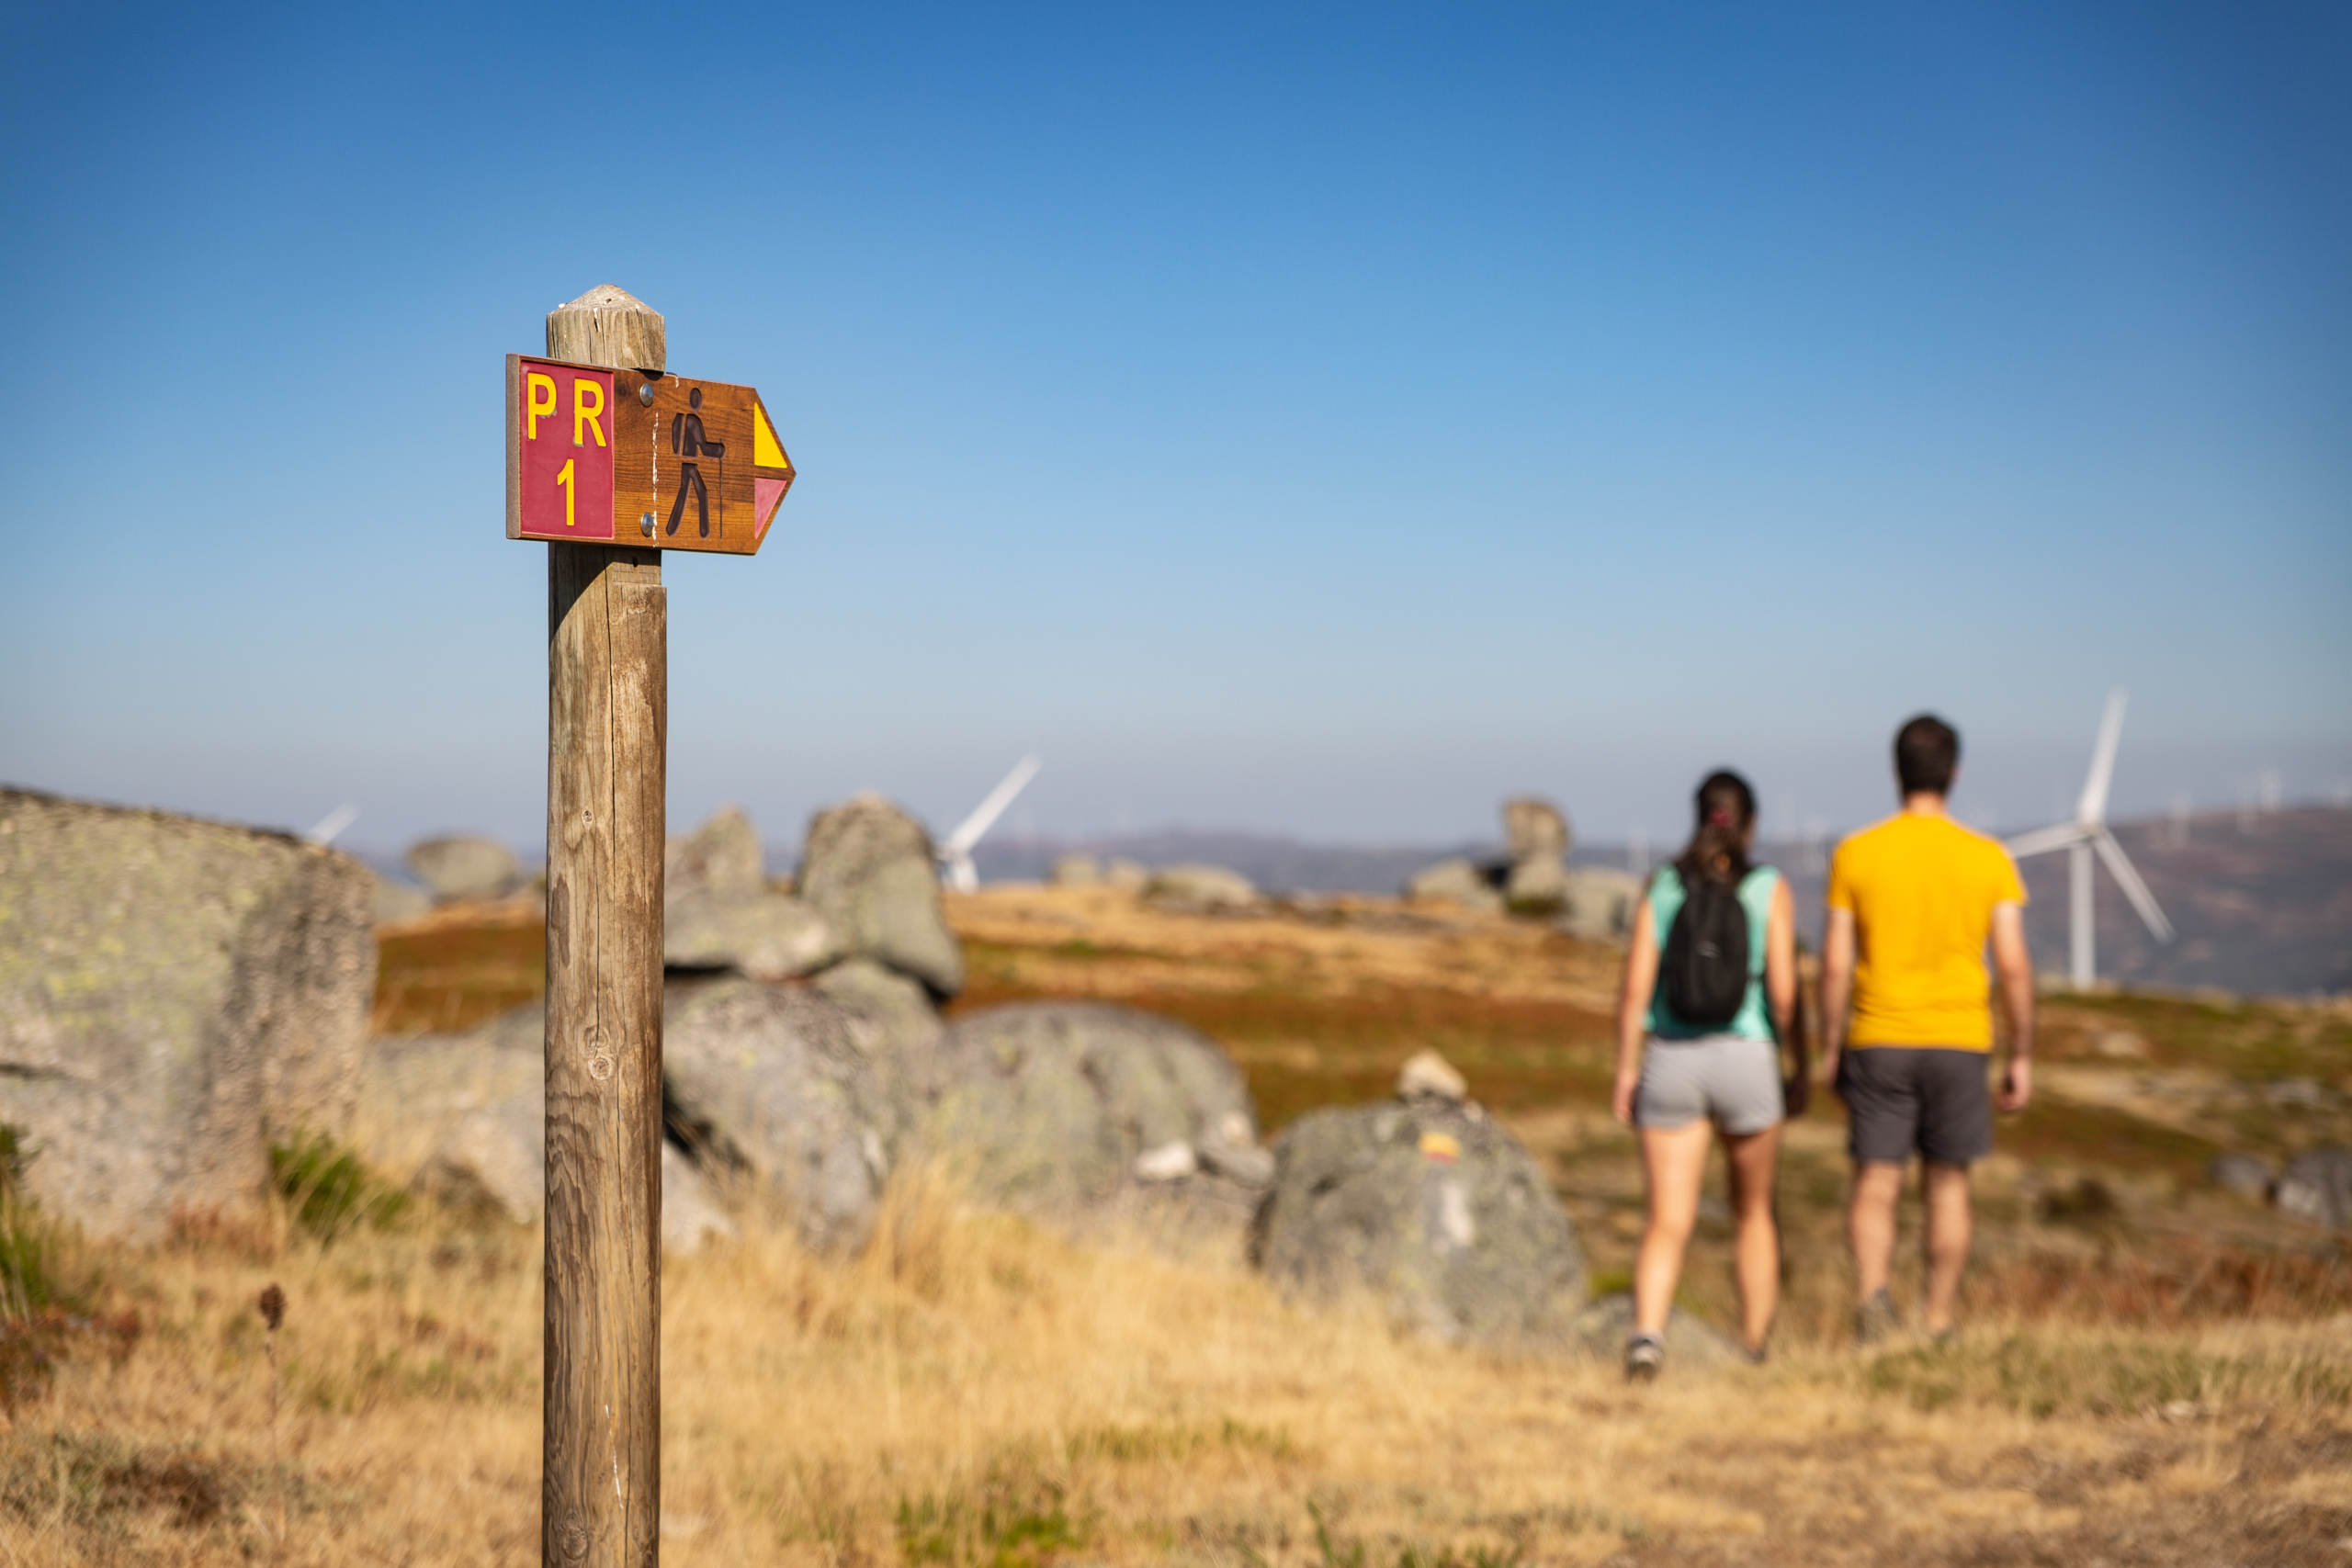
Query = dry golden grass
x=2161 y=1376
x=974 y=1390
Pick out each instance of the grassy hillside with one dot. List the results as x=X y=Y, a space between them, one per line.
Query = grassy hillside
x=2152 y=1373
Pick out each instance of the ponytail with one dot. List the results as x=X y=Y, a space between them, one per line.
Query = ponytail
x=1718 y=851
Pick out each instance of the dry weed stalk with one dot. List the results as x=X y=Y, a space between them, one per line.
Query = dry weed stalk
x=273 y=1313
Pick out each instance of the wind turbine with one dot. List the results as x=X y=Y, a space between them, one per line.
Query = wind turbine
x=2086 y=834
x=333 y=823
x=956 y=852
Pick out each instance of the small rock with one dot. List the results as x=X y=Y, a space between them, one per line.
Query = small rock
x=1603 y=1327
x=1427 y=1073
x=1125 y=875
x=1169 y=1162
x=2317 y=1186
x=465 y=868
x=1077 y=871
x=2241 y=1174
x=1199 y=887
x=1456 y=881
x=2300 y=1094
x=2119 y=1044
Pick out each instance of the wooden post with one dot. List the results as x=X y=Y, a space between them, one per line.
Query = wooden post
x=607 y=740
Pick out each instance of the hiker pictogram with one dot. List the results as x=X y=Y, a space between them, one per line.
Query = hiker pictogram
x=687 y=440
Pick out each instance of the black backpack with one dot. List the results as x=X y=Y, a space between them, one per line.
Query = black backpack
x=1705 y=967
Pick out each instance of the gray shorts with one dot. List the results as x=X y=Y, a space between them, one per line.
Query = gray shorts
x=1733 y=1081
x=1931 y=1099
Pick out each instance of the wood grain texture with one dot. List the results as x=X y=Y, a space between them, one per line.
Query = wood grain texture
x=607 y=743
x=608 y=327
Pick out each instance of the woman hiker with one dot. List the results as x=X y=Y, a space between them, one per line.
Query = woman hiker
x=1710 y=998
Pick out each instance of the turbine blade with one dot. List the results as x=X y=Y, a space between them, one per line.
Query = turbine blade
x=2092 y=808
x=2127 y=877
x=967 y=832
x=2042 y=841
x=334 y=822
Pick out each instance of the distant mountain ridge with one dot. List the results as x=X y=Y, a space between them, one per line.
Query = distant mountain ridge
x=2263 y=901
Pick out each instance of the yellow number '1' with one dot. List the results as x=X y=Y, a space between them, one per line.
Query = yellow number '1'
x=571 y=488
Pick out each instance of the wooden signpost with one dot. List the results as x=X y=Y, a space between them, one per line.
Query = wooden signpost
x=613 y=461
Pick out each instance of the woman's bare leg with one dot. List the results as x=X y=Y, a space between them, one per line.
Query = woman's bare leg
x=1754 y=1160
x=1674 y=1161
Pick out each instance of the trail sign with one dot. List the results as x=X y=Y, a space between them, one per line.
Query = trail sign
x=631 y=457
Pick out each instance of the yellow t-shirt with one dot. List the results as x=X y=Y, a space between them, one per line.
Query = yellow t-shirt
x=1922 y=890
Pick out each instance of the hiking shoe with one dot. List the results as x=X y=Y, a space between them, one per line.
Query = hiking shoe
x=1645 y=1353
x=1877 y=1318
x=1755 y=1355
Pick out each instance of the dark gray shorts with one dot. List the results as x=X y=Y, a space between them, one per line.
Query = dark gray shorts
x=1933 y=1100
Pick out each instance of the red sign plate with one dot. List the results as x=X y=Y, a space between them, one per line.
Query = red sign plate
x=626 y=457
x=564 y=468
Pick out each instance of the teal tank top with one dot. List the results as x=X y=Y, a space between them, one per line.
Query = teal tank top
x=1754 y=1020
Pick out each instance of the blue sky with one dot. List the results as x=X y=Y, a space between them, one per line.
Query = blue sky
x=1316 y=420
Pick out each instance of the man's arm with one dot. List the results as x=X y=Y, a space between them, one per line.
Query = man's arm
x=1837 y=988
x=2014 y=966
x=1633 y=1010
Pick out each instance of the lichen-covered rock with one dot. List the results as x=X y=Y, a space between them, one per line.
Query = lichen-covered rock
x=396 y=901
x=721 y=913
x=1600 y=903
x=2242 y=1174
x=1200 y=889
x=1534 y=830
x=894 y=1022
x=1456 y=881
x=691 y=1213
x=779 y=1082
x=174 y=994
x=1434 y=1209
x=1049 y=1106
x=463 y=1116
x=2317 y=1186
x=722 y=856
x=460 y=867
x=768 y=936
x=869 y=871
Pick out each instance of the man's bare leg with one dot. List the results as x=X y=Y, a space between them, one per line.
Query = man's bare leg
x=1950 y=1226
x=1870 y=1224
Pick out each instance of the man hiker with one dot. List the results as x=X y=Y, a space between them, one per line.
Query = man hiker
x=1912 y=902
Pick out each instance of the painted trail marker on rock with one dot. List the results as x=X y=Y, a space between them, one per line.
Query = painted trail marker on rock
x=611 y=461
x=638 y=457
